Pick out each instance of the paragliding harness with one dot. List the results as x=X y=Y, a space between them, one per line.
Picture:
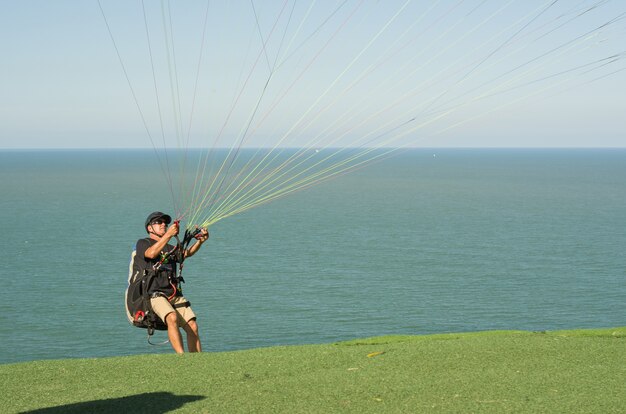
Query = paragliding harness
x=139 y=291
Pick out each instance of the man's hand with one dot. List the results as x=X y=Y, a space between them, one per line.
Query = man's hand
x=172 y=230
x=203 y=235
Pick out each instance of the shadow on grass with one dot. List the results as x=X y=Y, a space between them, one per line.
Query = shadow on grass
x=153 y=403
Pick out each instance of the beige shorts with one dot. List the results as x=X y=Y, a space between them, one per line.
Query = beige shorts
x=162 y=308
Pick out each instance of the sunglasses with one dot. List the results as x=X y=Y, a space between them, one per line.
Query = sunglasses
x=157 y=222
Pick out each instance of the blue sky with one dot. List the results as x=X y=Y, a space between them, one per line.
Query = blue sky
x=434 y=74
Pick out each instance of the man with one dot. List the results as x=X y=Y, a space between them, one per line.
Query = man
x=167 y=300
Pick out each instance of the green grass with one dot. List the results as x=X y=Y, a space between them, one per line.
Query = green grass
x=494 y=372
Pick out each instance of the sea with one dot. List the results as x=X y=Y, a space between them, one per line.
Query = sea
x=429 y=241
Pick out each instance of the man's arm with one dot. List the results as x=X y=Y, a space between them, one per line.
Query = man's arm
x=154 y=251
x=202 y=237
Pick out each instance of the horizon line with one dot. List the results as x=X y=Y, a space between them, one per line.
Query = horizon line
x=297 y=148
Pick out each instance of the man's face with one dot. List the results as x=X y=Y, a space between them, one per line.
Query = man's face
x=158 y=227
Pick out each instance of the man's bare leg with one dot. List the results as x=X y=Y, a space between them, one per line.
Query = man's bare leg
x=193 y=339
x=173 y=334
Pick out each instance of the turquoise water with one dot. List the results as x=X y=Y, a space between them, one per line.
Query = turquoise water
x=467 y=240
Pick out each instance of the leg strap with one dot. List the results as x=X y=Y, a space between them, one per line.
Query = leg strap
x=182 y=305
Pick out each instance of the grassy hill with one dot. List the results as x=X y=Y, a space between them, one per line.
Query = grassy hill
x=493 y=372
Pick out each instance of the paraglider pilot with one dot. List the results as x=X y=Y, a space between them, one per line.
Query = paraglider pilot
x=166 y=299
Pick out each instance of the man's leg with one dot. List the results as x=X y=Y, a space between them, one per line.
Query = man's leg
x=173 y=334
x=193 y=339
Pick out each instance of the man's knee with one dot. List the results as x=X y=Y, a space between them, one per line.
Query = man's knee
x=171 y=319
x=192 y=327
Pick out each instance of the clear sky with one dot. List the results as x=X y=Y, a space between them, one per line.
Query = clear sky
x=437 y=74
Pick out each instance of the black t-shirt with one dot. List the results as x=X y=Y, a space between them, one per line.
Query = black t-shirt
x=166 y=271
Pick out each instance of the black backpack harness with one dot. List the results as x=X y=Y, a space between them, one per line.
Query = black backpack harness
x=140 y=288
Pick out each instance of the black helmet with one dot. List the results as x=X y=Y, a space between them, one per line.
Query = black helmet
x=157 y=215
